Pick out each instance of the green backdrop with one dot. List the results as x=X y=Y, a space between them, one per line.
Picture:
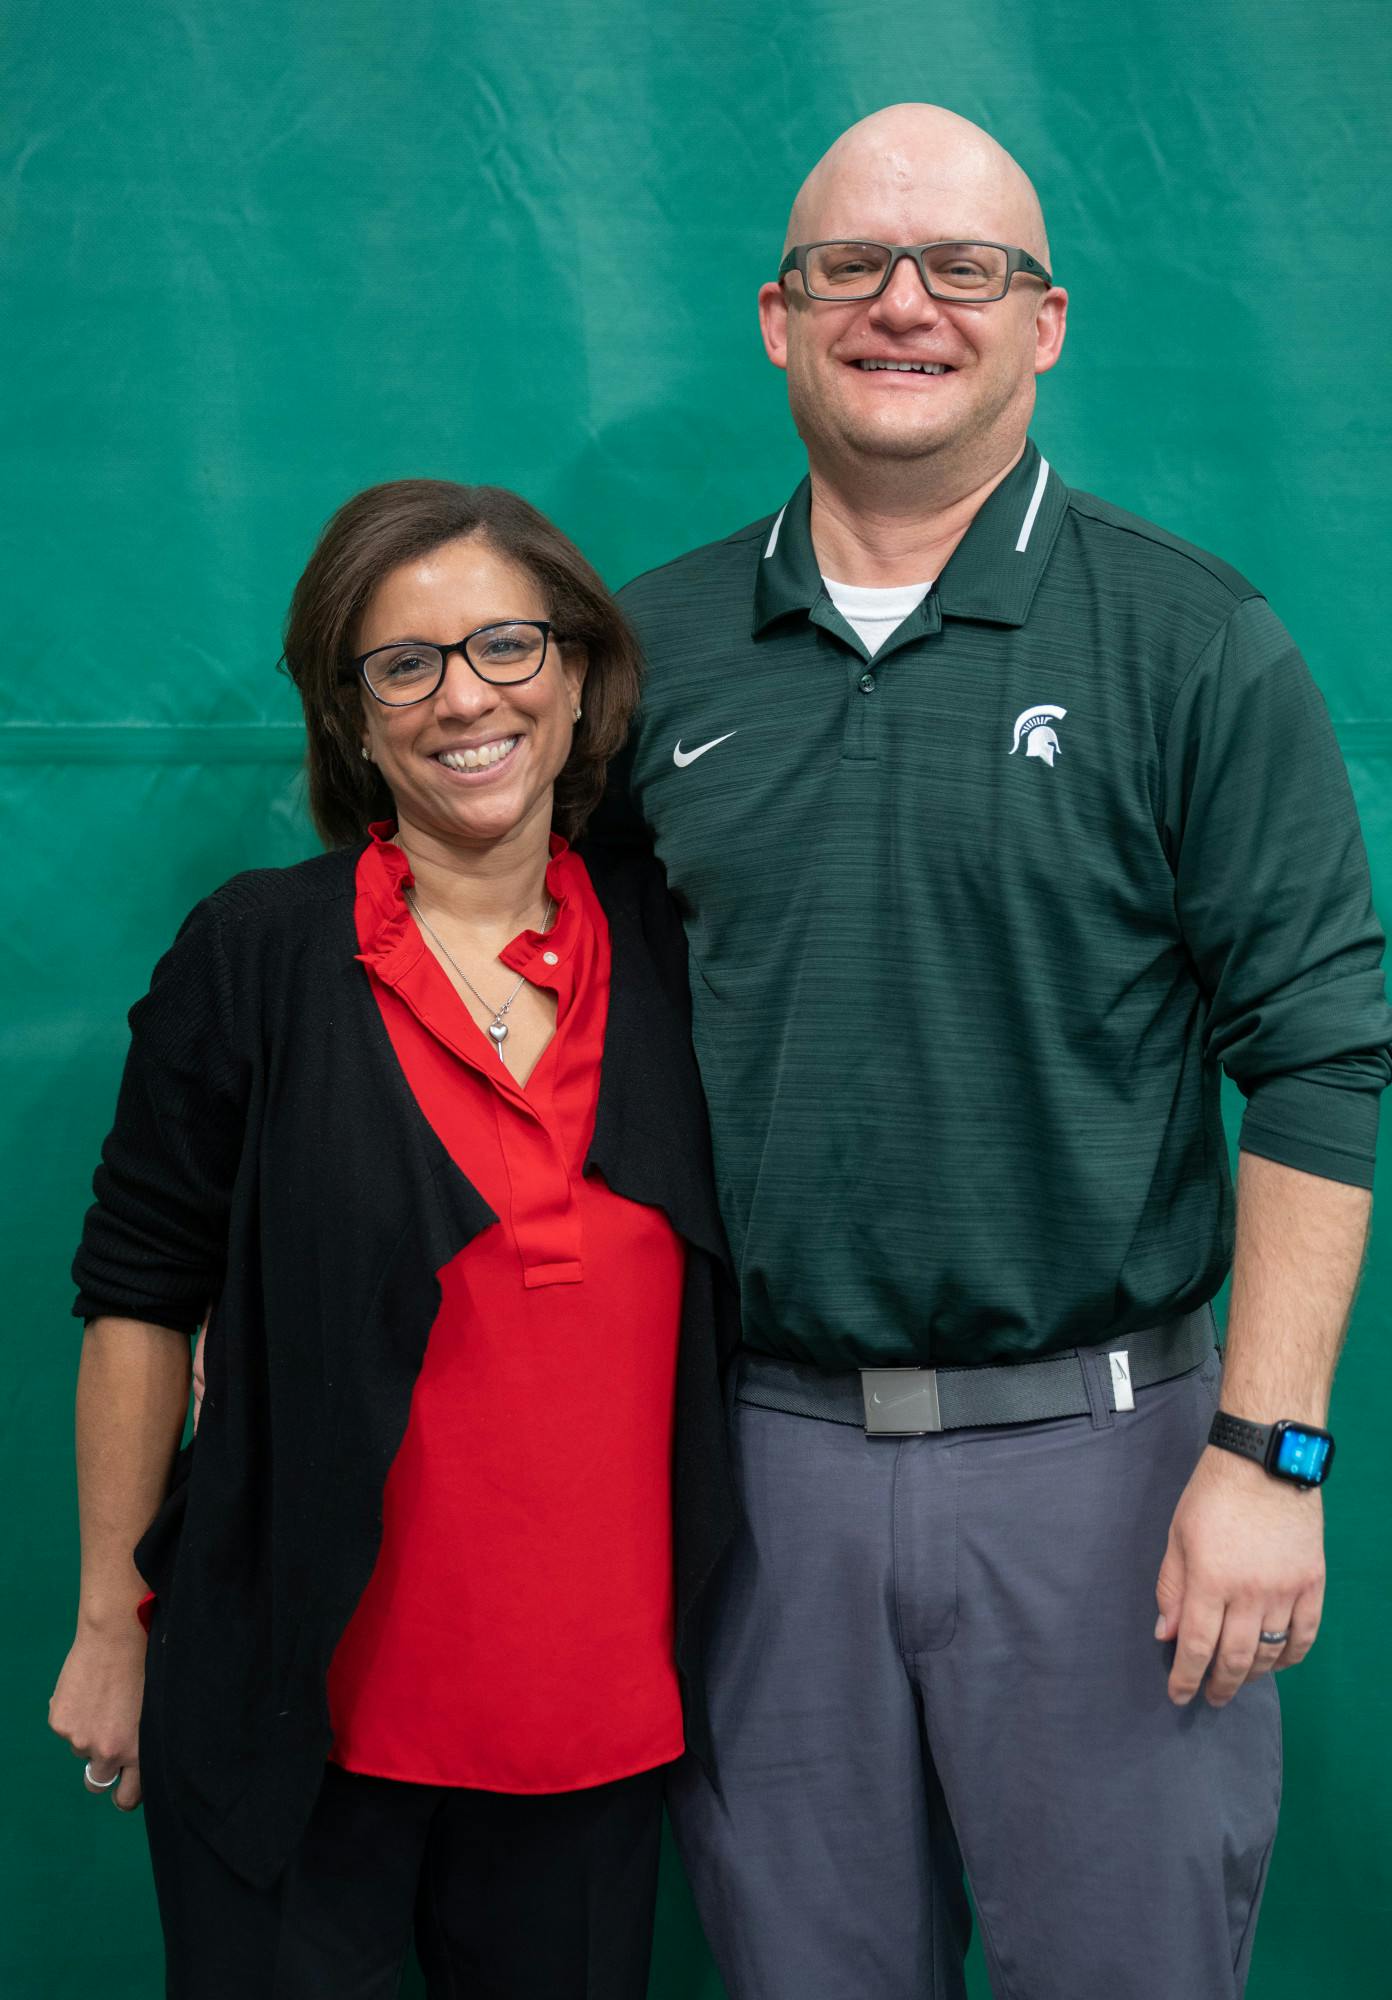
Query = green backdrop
x=257 y=256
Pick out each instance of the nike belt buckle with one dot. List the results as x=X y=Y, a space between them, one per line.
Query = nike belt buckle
x=900 y=1402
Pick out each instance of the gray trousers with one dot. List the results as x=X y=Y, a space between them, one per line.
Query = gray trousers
x=936 y=1654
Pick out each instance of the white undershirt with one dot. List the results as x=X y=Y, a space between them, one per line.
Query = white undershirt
x=874 y=614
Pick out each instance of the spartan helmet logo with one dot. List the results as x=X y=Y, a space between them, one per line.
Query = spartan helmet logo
x=1040 y=740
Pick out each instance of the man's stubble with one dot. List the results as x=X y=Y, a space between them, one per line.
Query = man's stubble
x=985 y=437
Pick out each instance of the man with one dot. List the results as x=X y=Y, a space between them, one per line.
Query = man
x=1001 y=820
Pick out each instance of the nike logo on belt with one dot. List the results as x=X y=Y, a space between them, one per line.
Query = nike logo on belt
x=681 y=758
x=893 y=1402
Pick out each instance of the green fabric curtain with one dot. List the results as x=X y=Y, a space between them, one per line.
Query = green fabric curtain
x=258 y=256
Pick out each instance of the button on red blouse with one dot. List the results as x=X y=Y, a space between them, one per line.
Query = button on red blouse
x=516 y=1633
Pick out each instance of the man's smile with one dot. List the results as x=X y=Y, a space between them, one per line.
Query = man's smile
x=906 y=367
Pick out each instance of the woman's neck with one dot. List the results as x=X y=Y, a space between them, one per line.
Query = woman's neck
x=500 y=888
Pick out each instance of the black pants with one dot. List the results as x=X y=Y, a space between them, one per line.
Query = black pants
x=510 y=1898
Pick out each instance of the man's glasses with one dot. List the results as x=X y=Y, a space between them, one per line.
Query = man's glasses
x=960 y=273
x=501 y=654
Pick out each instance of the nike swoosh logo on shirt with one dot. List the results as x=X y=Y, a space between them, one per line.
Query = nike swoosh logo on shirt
x=681 y=758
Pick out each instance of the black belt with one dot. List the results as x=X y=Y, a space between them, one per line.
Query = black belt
x=909 y=1402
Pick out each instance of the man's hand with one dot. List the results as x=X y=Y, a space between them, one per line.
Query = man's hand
x=1245 y=1556
x=1246 y=1551
x=96 y=1706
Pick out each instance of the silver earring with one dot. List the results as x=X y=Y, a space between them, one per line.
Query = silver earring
x=365 y=753
x=576 y=716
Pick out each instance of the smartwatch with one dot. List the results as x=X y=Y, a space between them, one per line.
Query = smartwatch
x=1301 y=1454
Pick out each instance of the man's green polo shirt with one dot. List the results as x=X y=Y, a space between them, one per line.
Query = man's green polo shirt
x=974 y=924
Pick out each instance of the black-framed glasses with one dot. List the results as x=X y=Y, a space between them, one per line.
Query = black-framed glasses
x=972 y=274
x=503 y=654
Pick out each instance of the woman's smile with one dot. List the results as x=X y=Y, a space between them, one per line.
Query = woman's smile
x=478 y=761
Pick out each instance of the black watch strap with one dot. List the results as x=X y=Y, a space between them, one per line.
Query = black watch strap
x=1236 y=1434
x=1297 y=1452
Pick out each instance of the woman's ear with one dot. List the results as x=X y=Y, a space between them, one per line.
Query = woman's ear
x=575 y=664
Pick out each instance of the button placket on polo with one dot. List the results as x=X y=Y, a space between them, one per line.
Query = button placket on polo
x=859 y=733
x=866 y=716
x=860 y=739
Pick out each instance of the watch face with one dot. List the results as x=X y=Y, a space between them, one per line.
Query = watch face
x=1303 y=1455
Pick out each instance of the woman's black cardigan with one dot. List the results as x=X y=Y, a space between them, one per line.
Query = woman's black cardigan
x=269 y=1160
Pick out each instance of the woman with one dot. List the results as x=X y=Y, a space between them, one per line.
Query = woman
x=418 y=1123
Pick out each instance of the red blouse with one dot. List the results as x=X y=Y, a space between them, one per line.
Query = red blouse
x=516 y=1633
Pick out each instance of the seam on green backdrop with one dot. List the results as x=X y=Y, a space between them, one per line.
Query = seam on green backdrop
x=283 y=743
x=151 y=743
x=1370 y=737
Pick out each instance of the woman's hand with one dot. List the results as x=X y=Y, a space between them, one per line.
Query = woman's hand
x=96 y=1707
x=132 y=1394
x=198 y=1377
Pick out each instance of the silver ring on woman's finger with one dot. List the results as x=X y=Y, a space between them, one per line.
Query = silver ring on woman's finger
x=1275 y=1638
x=100 y=1784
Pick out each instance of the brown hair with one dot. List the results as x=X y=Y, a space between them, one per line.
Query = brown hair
x=373 y=534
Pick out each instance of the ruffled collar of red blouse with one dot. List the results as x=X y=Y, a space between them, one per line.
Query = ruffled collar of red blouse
x=394 y=942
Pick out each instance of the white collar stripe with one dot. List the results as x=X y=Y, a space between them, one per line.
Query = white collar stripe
x=1027 y=529
x=773 y=538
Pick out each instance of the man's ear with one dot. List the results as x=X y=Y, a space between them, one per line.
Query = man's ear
x=773 y=323
x=1050 y=325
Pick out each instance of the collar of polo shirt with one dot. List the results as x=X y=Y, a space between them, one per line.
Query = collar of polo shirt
x=992 y=574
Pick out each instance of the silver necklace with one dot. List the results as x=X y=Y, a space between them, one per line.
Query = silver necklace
x=497 y=1030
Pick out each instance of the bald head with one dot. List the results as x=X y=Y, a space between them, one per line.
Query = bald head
x=906 y=161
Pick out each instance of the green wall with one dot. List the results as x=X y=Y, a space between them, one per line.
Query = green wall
x=258 y=256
